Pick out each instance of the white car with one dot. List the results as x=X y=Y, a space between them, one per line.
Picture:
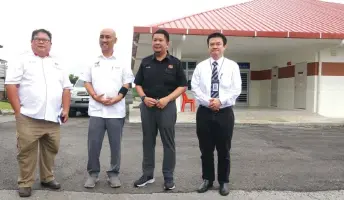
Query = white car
x=79 y=99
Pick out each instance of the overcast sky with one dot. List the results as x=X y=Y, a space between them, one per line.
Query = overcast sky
x=75 y=25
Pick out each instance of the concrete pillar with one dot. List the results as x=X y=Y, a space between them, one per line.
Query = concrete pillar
x=177 y=52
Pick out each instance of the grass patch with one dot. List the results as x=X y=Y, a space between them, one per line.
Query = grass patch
x=134 y=92
x=5 y=105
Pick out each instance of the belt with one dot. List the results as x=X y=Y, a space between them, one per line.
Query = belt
x=220 y=110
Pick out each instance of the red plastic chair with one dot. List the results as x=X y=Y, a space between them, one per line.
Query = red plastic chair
x=186 y=100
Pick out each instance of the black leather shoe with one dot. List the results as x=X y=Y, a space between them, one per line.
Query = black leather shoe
x=24 y=191
x=224 y=190
x=52 y=185
x=206 y=184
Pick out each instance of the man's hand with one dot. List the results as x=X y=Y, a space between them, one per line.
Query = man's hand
x=114 y=100
x=162 y=102
x=100 y=99
x=215 y=104
x=17 y=113
x=64 y=116
x=150 y=102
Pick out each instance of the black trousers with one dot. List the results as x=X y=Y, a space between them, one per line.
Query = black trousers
x=154 y=119
x=215 y=129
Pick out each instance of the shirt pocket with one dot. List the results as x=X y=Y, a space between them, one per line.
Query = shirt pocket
x=170 y=76
x=116 y=75
x=226 y=80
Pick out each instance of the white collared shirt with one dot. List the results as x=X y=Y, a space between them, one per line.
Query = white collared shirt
x=107 y=76
x=229 y=81
x=41 y=82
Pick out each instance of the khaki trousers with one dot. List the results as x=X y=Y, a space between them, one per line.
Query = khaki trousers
x=31 y=135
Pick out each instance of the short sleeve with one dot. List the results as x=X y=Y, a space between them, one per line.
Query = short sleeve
x=127 y=76
x=14 y=72
x=139 y=76
x=181 y=77
x=66 y=81
x=86 y=74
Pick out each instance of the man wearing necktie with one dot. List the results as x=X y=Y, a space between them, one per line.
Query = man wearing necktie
x=216 y=84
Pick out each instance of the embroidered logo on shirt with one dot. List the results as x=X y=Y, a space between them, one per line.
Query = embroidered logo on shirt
x=56 y=65
x=170 y=66
x=97 y=64
x=147 y=67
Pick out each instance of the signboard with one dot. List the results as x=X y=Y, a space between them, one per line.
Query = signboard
x=244 y=65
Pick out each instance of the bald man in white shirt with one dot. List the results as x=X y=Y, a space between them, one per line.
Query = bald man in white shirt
x=38 y=89
x=216 y=83
x=107 y=81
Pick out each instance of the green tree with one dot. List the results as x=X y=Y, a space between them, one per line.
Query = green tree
x=73 y=78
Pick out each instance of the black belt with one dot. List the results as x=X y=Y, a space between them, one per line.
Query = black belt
x=220 y=110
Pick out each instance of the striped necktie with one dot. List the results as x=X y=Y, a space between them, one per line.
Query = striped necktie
x=214 y=80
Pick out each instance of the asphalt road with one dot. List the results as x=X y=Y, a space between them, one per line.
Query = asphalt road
x=278 y=158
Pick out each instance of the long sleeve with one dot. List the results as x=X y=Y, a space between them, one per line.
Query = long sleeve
x=196 y=87
x=235 y=88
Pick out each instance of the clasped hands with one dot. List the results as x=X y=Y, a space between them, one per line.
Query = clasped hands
x=161 y=103
x=214 y=104
x=108 y=101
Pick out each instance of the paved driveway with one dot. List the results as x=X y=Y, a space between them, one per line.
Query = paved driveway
x=263 y=158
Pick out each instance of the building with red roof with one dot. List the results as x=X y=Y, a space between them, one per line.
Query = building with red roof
x=290 y=52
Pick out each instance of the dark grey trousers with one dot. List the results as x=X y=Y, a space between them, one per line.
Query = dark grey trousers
x=96 y=132
x=164 y=120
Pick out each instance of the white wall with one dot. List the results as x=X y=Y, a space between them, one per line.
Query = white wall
x=311 y=98
x=331 y=90
x=285 y=95
x=265 y=93
x=332 y=55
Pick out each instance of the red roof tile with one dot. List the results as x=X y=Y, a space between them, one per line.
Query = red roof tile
x=264 y=18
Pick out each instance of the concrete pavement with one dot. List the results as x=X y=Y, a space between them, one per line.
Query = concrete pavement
x=251 y=115
x=265 y=158
x=234 y=195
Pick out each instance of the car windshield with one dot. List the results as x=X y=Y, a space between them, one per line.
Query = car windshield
x=79 y=83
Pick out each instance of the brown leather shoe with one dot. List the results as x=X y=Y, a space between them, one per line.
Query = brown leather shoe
x=52 y=185
x=24 y=191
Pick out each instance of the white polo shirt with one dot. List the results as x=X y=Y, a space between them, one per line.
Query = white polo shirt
x=40 y=85
x=229 y=81
x=107 y=76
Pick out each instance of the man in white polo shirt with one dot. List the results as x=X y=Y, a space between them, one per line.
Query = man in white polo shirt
x=107 y=82
x=38 y=89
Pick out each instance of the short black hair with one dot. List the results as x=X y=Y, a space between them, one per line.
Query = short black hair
x=35 y=32
x=217 y=35
x=164 y=32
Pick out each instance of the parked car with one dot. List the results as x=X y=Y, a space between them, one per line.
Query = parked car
x=79 y=99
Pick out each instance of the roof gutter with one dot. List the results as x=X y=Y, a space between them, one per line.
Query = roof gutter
x=241 y=33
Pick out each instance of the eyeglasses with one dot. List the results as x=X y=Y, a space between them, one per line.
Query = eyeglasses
x=44 y=40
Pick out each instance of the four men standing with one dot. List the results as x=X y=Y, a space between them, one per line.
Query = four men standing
x=38 y=90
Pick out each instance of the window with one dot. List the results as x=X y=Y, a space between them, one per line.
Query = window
x=79 y=83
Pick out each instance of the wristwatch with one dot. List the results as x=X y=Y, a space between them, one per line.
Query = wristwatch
x=143 y=98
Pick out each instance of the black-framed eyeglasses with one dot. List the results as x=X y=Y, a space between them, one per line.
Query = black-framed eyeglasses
x=44 y=40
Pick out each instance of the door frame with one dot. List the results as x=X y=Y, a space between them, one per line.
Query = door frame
x=295 y=85
x=247 y=71
x=272 y=69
